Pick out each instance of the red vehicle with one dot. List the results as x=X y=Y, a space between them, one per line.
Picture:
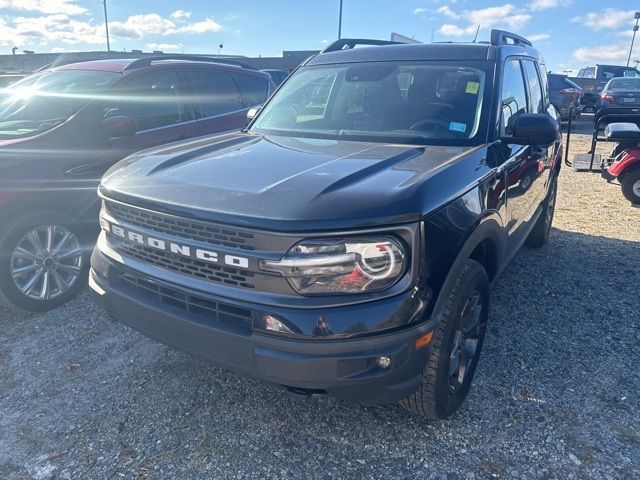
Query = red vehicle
x=624 y=164
x=62 y=128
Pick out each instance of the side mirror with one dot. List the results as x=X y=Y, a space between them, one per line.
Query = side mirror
x=252 y=113
x=114 y=127
x=534 y=129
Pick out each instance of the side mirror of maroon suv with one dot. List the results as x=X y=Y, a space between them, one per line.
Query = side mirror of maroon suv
x=62 y=128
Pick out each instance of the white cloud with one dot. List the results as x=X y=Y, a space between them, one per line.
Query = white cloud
x=603 y=53
x=545 y=4
x=138 y=26
x=180 y=15
x=608 y=18
x=447 y=12
x=68 y=7
x=61 y=28
x=505 y=15
x=165 y=47
x=451 y=30
x=419 y=11
x=538 y=37
x=58 y=49
x=206 y=25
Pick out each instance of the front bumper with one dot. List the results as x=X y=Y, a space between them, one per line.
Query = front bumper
x=345 y=368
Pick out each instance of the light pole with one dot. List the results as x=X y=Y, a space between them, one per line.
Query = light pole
x=106 y=27
x=633 y=39
x=340 y=22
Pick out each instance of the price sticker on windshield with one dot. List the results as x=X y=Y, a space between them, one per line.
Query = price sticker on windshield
x=472 y=87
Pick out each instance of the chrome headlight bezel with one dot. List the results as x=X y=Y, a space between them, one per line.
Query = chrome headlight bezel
x=349 y=265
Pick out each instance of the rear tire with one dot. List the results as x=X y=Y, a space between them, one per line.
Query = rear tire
x=540 y=233
x=457 y=344
x=631 y=186
x=43 y=262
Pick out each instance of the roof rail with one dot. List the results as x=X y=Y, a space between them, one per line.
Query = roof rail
x=502 y=37
x=349 y=43
x=147 y=61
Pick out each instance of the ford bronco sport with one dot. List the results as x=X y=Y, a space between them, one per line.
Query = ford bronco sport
x=345 y=242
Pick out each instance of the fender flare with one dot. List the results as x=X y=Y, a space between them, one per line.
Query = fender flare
x=489 y=228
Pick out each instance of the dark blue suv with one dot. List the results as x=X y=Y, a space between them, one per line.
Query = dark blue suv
x=345 y=243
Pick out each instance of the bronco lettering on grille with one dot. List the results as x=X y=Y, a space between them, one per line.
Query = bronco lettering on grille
x=172 y=247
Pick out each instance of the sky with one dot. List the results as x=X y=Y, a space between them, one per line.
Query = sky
x=570 y=33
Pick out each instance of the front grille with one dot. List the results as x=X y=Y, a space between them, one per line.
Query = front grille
x=210 y=312
x=187 y=266
x=187 y=229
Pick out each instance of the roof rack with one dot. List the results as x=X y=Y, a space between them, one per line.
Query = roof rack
x=147 y=61
x=349 y=43
x=502 y=37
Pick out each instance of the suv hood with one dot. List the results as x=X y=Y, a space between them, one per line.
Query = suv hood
x=280 y=183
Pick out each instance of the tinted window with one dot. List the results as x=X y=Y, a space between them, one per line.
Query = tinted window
x=253 y=89
x=624 y=84
x=152 y=99
x=536 y=104
x=514 y=97
x=612 y=71
x=47 y=99
x=216 y=93
x=556 y=82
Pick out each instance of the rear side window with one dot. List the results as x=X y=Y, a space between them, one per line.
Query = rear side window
x=216 y=93
x=536 y=102
x=152 y=99
x=514 y=95
x=556 y=83
x=254 y=90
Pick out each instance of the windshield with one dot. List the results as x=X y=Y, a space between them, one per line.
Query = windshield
x=44 y=100
x=379 y=101
x=624 y=84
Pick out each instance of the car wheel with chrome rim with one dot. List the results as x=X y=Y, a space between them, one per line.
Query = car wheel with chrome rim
x=42 y=262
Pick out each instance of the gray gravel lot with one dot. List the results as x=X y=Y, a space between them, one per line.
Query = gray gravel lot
x=555 y=395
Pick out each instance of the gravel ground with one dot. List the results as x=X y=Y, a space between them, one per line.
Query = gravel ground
x=555 y=395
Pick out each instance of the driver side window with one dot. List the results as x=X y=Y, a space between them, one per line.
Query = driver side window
x=152 y=100
x=514 y=95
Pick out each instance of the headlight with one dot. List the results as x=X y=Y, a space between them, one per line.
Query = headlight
x=335 y=266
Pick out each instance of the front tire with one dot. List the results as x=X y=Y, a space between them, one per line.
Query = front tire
x=631 y=186
x=457 y=344
x=43 y=262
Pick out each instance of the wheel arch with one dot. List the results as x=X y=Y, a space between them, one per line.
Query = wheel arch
x=485 y=244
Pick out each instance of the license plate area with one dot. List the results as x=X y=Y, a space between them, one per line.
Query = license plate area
x=629 y=100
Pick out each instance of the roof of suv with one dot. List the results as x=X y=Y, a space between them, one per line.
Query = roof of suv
x=431 y=51
x=502 y=43
x=121 y=65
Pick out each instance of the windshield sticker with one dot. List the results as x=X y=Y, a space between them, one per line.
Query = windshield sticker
x=472 y=87
x=457 y=127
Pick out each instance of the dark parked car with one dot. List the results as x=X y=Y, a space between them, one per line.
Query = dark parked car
x=620 y=93
x=60 y=129
x=565 y=96
x=278 y=76
x=346 y=242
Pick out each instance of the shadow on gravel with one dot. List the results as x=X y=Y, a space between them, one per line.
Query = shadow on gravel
x=555 y=394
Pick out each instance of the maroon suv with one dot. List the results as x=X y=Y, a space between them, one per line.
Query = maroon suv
x=62 y=128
